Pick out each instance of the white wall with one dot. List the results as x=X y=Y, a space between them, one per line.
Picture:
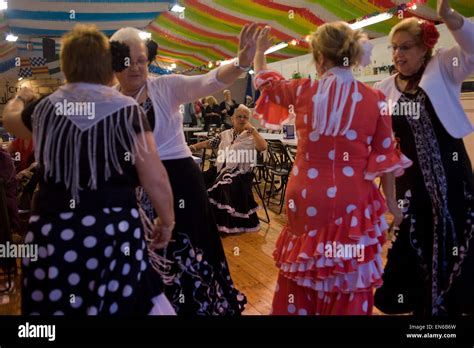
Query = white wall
x=381 y=55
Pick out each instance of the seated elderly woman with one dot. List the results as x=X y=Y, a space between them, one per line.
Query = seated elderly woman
x=231 y=192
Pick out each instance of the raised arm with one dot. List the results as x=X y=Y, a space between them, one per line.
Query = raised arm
x=458 y=61
x=264 y=42
x=453 y=19
x=247 y=47
x=189 y=88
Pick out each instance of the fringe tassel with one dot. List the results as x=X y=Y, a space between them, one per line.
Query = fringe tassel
x=59 y=143
x=330 y=125
x=160 y=264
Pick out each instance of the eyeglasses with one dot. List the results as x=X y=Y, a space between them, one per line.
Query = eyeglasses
x=140 y=62
x=402 y=48
x=242 y=117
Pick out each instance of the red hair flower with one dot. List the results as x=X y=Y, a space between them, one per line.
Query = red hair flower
x=430 y=34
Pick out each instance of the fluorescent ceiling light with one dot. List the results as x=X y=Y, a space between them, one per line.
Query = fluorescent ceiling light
x=11 y=37
x=277 y=47
x=270 y=50
x=177 y=8
x=144 y=35
x=372 y=20
x=226 y=62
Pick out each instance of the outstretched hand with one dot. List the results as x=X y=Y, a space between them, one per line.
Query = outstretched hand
x=247 y=44
x=264 y=41
x=443 y=8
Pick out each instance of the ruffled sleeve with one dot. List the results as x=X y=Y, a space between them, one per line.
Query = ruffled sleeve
x=277 y=94
x=385 y=156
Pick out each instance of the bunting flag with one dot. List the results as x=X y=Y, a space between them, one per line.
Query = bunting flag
x=25 y=68
x=33 y=66
x=38 y=66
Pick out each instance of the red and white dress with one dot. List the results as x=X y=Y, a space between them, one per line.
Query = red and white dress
x=329 y=252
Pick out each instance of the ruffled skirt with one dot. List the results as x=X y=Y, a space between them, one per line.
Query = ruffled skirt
x=233 y=203
x=332 y=270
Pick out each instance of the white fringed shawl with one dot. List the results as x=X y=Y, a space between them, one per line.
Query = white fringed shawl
x=58 y=137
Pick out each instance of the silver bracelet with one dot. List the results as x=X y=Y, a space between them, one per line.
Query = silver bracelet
x=237 y=64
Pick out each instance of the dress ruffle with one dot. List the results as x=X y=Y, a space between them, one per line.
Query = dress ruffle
x=379 y=164
x=302 y=258
x=235 y=208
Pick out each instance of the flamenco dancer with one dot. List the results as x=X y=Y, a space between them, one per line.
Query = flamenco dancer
x=345 y=142
x=92 y=254
x=430 y=268
x=196 y=272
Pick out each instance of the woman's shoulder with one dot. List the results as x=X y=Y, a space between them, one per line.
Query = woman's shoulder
x=386 y=84
x=371 y=95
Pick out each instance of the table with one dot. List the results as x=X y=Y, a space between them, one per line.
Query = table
x=186 y=131
x=279 y=136
x=200 y=134
x=192 y=129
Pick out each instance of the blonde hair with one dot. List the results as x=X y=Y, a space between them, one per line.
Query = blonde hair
x=413 y=27
x=339 y=43
x=211 y=100
x=243 y=108
x=85 y=56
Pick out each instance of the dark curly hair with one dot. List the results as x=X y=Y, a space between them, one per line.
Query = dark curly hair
x=121 y=51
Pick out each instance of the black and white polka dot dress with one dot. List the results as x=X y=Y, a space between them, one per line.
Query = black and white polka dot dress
x=89 y=263
x=92 y=254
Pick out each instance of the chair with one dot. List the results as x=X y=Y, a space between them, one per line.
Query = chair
x=278 y=164
x=256 y=184
x=291 y=151
x=212 y=132
x=7 y=265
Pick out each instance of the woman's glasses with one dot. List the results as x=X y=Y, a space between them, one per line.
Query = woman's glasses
x=402 y=48
x=140 y=62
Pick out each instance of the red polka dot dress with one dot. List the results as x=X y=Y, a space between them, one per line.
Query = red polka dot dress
x=329 y=252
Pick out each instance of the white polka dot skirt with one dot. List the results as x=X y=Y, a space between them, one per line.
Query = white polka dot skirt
x=88 y=264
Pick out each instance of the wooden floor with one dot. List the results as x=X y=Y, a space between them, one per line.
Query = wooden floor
x=251 y=263
x=250 y=260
